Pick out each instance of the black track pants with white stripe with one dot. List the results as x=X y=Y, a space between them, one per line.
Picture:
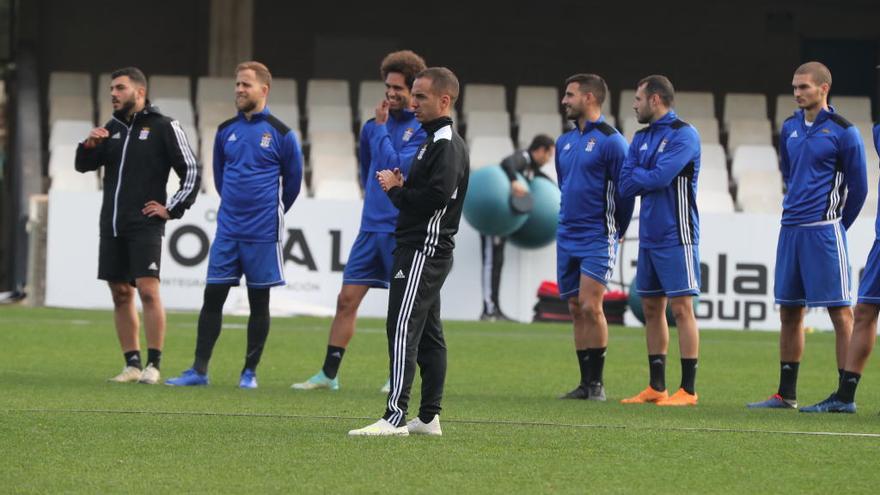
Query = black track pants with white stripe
x=415 y=333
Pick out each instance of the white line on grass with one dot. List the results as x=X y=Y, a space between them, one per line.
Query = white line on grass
x=677 y=429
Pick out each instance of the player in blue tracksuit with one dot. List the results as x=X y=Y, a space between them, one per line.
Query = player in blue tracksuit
x=662 y=166
x=389 y=141
x=592 y=218
x=864 y=329
x=822 y=160
x=258 y=174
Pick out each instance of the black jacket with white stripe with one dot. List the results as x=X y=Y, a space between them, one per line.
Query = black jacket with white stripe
x=431 y=199
x=137 y=158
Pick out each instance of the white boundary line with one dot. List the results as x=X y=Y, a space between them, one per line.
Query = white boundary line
x=675 y=429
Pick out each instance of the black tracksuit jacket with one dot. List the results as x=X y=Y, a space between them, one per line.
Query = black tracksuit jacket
x=137 y=158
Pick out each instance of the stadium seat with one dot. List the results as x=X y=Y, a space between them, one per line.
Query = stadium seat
x=744 y=106
x=715 y=202
x=70 y=108
x=785 y=107
x=169 y=87
x=852 y=108
x=370 y=93
x=323 y=118
x=63 y=174
x=691 y=105
x=327 y=93
x=214 y=89
x=485 y=123
x=712 y=156
x=760 y=191
x=707 y=127
x=331 y=143
x=748 y=132
x=68 y=132
x=212 y=114
x=179 y=109
x=289 y=114
x=483 y=97
x=335 y=176
x=532 y=124
x=535 y=100
x=761 y=158
x=284 y=92
x=713 y=179
x=75 y=84
x=489 y=151
x=105 y=106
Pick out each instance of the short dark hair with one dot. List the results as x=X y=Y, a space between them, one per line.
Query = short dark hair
x=659 y=85
x=404 y=62
x=260 y=71
x=590 y=83
x=542 y=141
x=443 y=81
x=133 y=73
x=817 y=71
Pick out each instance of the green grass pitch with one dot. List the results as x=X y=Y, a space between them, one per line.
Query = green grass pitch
x=63 y=428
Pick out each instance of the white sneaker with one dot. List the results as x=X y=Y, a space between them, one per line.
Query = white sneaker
x=386 y=388
x=129 y=374
x=381 y=428
x=416 y=427
x=150 y=375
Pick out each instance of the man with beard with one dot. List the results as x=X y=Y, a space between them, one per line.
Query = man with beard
x=593 y=217
x=662 y=166
x=390 y=140
x=822 y=159
x=251 y=152
x=138 y=148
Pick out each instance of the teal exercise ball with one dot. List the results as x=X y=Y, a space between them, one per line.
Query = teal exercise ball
x=487 y=204
x=635 y=305
x=539 y=229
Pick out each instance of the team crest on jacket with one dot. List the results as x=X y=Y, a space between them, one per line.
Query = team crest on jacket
x=407 y=134
x=590 y=145
x=266 y=140
x=422 y=151
x=566 y=147
x=662 y=146
x=145 y=133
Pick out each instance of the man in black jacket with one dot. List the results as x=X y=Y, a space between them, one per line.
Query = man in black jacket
x=430 y=202
x=138 y=147
x=527 y=162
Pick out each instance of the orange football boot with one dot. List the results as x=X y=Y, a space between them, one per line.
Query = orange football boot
x=646 y=396
x=679 y=398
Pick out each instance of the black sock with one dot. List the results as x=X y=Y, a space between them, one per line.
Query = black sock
x=332 y=361
x=788 y=372
x=210 y=322
x=258 y=326
x=583 y=358
x=840 y=373
x=688 y=375
x=133 y=358
x=846 y=391
x=426 y=420
x=154 y=356
x=596 y=363
x=657 y=363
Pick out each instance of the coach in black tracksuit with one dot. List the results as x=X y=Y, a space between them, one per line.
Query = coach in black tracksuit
x=137 y=148
x=430 y=203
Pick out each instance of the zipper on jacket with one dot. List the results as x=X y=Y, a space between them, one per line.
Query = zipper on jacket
x=119 y=173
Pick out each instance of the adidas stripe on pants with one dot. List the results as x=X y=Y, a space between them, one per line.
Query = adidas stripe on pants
x=415 y=333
